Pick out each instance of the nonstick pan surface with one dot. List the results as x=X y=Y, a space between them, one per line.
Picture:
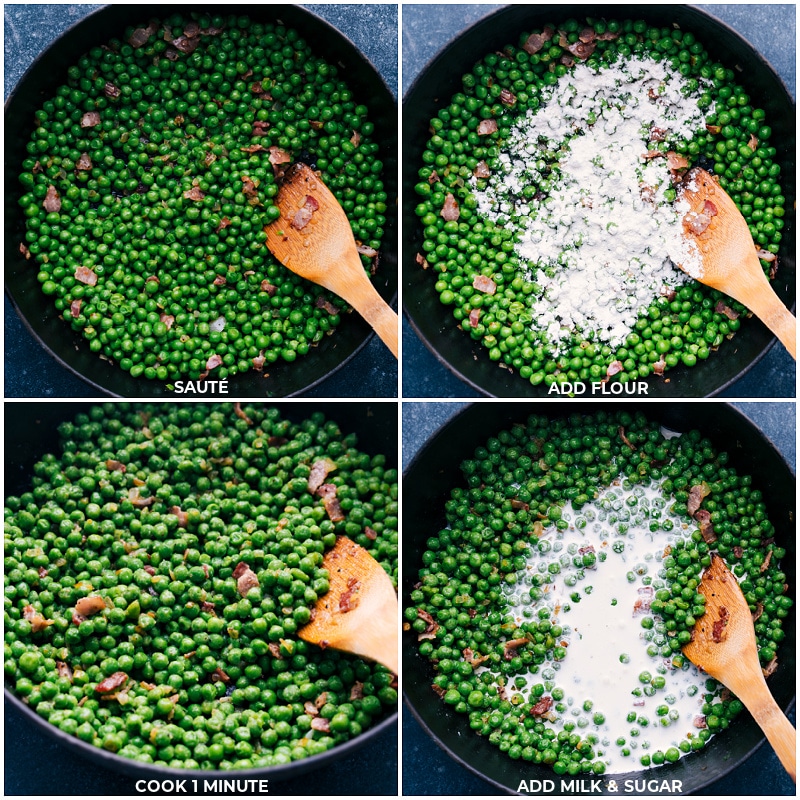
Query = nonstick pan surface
x=433 y=87
x=432 y=470
x=374 y=375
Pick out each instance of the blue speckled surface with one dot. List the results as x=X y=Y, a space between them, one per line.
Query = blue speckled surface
x=427 y=29
x=428 y=770
x=29 y=370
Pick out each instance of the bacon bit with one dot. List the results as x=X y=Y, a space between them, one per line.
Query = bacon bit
x=220 y=676
x=510 y=648
x=42 y=572
x=245 y=578
x=186 y=44
x=770 y=667
x=237 y=409
x=719 y=624
x=320 y=470
x=434 y=178
x=109 y=90
x=321 y=724
x=482 y=170
x=580 y=49
x=765 y=564
x=472 y=659
x=765 y=255
x=310 y=709
x=194 y=194
x=64 y=670
x=536 y=41
x=758 y=612
x=24 y=250
x=613 y=368
x=260 y=128
x=542 y=707
x=141 y=36
x=38 y=622
x=355 y=139
x=419 y=258
x=213 y=362
x=713 y=129
x=370 y=534
x=75 y=308
x=696 y=496
x=676 y=162
x=278 y=157
x=149 y=570
x=137 y=499
x=567 y=60
x=183 y=517
x=304 y=214
x=220 y=280
x=642 y=603
x=624 y=438
x=332 y=506
x=752 y=142
x=321 y=700
x=52 y=200
x=357 y=691
x=699 y=722
x=364 y=250
x=258 y=362
x=267 y=287
x=484 y=284
x=703 y=519
x=519 y=505
x=249 y=190
x=433 y=626
x=275 y=651
x=487 y=126
x=474 y=317
x=450 y=211
x=258 y=90
x=657 y=134
x=111 y=682
x=276 y=441
x=326 y=305
x=253 y=148
x=167 y=319
x=84 y=162
x=209 y=608
x=90 y=119
x=507 y=98
x=721 y=308
x=348 y=600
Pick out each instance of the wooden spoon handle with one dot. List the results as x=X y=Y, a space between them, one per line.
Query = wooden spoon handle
x=364 y=298
x=767 y=306
x=772 y=721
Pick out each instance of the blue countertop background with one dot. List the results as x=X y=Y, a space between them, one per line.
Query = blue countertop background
x=30 y=371
x=428 y=770
x=428 y=28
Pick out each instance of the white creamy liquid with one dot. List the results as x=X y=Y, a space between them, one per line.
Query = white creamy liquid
x=605 y=624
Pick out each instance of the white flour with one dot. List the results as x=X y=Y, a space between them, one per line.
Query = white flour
x=603 y=241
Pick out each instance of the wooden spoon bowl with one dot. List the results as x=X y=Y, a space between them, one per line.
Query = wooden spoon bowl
x=359 y=612
x=729 y=258
x=312 y=237
x=724 y=646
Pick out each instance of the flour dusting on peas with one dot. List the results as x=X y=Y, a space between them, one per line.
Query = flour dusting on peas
x=548 y=202
x=157 y=572
x=151 y=174
x=555 y=604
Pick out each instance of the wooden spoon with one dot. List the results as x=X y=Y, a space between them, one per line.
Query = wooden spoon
x=312 y=237
x=359 y=612
x=724 y=646
x=729 y=260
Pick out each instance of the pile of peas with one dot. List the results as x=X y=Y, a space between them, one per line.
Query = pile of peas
x=516 y=486
x=169 y=268
x=683 y=329
x=215 y=680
